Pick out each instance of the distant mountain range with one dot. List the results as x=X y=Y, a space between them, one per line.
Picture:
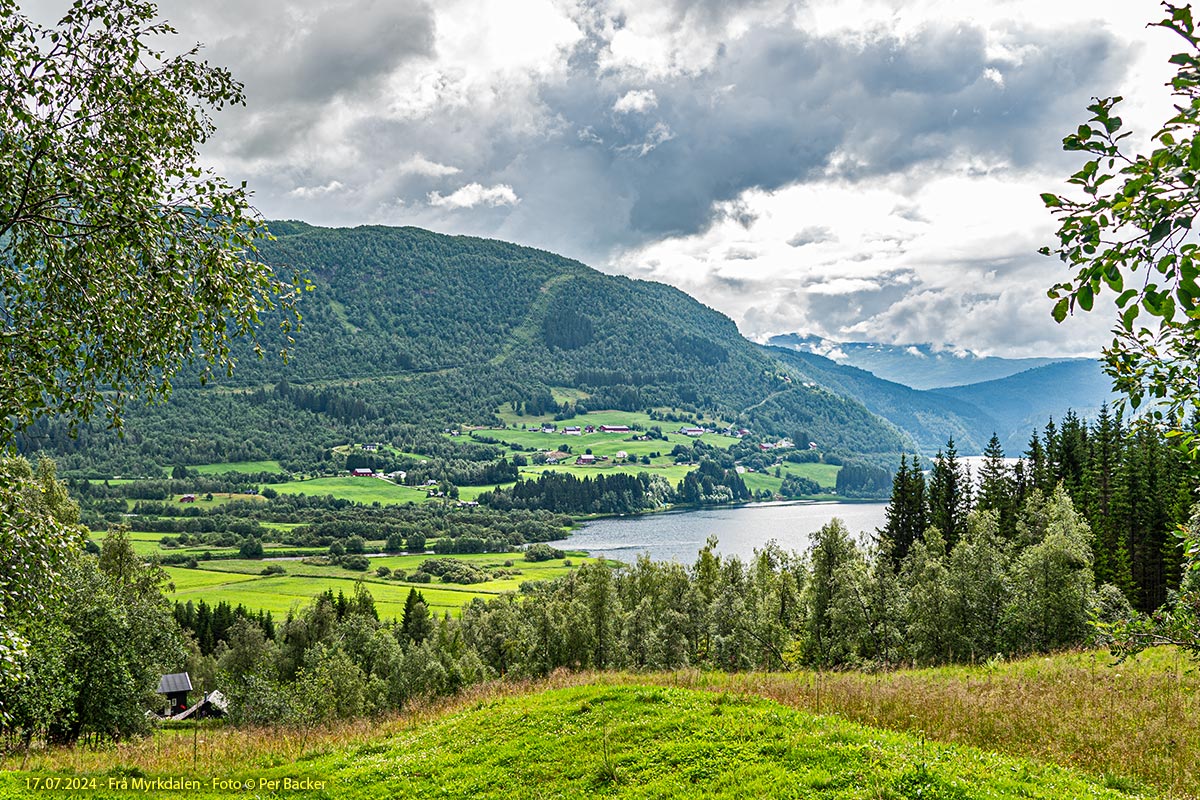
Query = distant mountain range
x=917 y=365
x=1011 y=407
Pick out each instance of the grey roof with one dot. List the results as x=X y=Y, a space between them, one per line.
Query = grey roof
x=175 y=682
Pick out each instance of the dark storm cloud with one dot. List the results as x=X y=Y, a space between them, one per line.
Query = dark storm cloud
x=308 y=52
x=780 y=107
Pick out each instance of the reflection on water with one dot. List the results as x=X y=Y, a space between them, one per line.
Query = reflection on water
x=679 y=535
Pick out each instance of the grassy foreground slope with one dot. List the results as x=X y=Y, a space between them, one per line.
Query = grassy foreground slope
x=632 y=741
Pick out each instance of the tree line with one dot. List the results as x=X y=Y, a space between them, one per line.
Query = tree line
x=1129 y=485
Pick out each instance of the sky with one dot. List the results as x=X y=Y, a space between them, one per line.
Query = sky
x=861 y=170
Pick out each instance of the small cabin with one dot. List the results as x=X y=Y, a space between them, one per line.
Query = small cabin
x=175 y=688
x=188 y=498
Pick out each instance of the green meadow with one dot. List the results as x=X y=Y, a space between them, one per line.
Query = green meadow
x=358 y=490
x=239 y=581
x=824 y=474
x=620 y=736
x=238 y=466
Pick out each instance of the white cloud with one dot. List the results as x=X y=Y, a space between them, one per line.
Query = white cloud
x=309 y=192
x=475 y=194
x=420 y=165
x=636 y=101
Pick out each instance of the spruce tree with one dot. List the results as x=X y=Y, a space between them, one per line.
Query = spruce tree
x=906 y=513
x=996 y=487
x=949 y=495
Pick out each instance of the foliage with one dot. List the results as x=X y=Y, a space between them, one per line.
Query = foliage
x=121 y=260
x=1136 y=214
x=1177 y=622
x=96 y=658
x=39 y=539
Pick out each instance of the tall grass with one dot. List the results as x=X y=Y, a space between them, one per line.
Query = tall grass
x=1136 y=724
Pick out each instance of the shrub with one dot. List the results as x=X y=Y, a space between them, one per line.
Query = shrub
x=355 y=562
x=542 y=552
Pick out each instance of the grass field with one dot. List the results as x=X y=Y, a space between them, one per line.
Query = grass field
x=359 y=490
x=238 y=466
x=1061 y=727
x=280 y=594
x=824 y=474
x=238 y=581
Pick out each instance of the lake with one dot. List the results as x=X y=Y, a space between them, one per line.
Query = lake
x=679 y=535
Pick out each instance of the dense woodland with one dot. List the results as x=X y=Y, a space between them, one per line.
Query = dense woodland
x=1131 y=488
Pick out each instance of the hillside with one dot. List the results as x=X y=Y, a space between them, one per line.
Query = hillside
x=1024 y=402
x=623 y=741
x=1068 y=725
x=919 y=366
x=405 y=326
x=929 y=418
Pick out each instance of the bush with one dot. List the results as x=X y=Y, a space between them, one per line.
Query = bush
x=356 y=544
x=251 y=548
x=420 y=577
x=453 y=570
x=355 y=562
x=383 y=572
x=542 y=552
x=273 y=569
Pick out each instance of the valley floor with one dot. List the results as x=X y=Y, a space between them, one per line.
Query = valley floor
x=1072 y=725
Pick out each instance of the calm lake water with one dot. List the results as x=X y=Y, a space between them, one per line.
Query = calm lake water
x=679 y=535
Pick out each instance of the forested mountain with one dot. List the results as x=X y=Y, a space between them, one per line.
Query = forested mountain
x=928 y=417
x=405 y=326
x=1009 y=407
x=919 y=366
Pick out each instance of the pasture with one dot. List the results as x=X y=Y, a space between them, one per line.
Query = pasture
x=238 y=466
x=239 y=581
x=358 y=490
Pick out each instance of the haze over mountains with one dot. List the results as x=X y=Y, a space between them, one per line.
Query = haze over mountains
x=409 y=327
x=917 y=365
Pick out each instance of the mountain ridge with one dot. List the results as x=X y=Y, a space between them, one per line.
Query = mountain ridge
x=919 y=366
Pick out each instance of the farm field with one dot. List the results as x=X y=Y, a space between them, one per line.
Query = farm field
x=824 y=474
x=358 y=490
x=238 y=466
x=240 y=581
x=673 y=473
x=1065 y=726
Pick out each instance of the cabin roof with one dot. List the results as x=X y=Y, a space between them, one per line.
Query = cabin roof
x=175 y=682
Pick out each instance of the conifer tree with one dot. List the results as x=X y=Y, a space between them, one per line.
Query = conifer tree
x=949 y=495
x=996 y=486
x=906 y=513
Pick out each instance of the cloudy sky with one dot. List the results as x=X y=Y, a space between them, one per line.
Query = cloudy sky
x=859 y=169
